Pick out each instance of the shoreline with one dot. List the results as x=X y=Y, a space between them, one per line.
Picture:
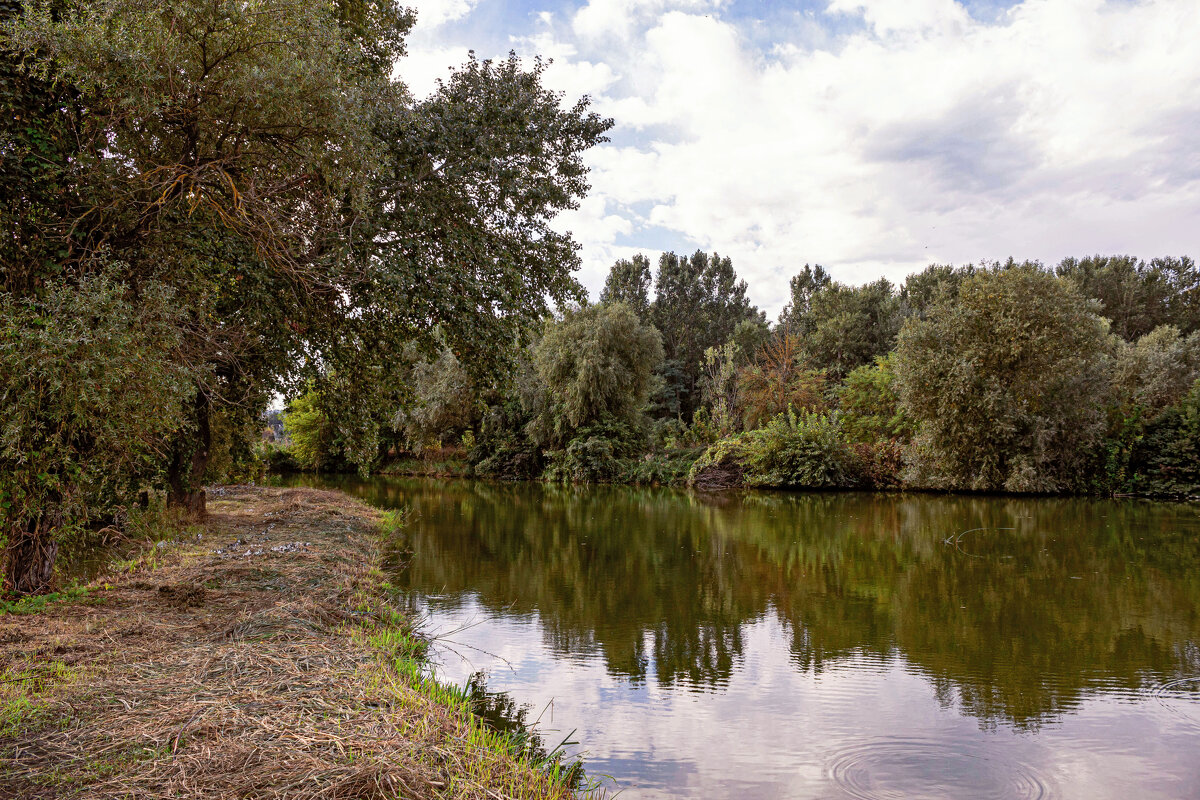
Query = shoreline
x=259 y=653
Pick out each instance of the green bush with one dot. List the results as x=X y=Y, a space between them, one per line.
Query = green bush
x=503 y=449
x=1165 y=461
x=659 y=469
x=794 y=450
x=595 y=454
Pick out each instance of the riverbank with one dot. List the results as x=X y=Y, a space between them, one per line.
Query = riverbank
x=259 y=654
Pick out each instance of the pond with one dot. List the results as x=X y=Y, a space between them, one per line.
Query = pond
x=774 y=645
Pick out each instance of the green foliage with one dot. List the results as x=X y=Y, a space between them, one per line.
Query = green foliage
x=797 y=450
x=842 y=327
x=280 y=460
x=503 y=448
x=1006 y=383
x=89 y=393
x=699 y=303
x=1146 y=449
x=594 y=365
x=870 y=408
x=1138 y=297
x=628 y=282
x=1165 y=461
x=445 y=403
x=803 y=286
x=659 y=469
x=935 y=283
x=316 y=442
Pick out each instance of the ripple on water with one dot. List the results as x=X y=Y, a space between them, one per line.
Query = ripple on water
x=890 y=769
x=1180 y=696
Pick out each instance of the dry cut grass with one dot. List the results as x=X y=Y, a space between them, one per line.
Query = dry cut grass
x=260 y=660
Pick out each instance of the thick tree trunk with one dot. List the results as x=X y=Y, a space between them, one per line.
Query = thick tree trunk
x=185 y=473
x=29 y=556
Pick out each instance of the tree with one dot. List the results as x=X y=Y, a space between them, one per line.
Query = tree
x=869 y=406
x=698 y=303
x=779 y=378
x=445 y=404
x=595 y=365
x=922 y=289
x=1006 y=383
x=1138 y=297
x=629 y=282
x=847 y=327
x=207 y=127
x=90 y=392
x=803 y=286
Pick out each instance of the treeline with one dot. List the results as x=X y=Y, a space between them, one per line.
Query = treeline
x=1011 y=377
x=205 y=204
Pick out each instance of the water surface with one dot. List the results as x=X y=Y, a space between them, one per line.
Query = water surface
x=770 y=645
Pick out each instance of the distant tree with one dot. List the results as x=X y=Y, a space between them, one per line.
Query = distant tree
x=847 y=327
x=1138 y=297
x=922 y=289
x=1006 y=383
x=595 y=365
x=629 y=282
x=698 y=304
x=446 y=402
x=803 y=286
x=869 y=406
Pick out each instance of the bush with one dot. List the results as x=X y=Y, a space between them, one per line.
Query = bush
x=503 y=449
x=279 y=459
x=794 y=450
x=870 y=409
x=659 y=469
x=595 y=454
x=1165 y=461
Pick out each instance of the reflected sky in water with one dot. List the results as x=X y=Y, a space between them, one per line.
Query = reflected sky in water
x=824 y=646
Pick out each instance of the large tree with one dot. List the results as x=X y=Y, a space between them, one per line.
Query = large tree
x=595 y=366
x=310 y=219
x=1005 y=382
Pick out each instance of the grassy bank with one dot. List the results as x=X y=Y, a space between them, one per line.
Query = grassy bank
x=258 y=655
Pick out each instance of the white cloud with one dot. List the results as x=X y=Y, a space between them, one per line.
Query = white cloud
x=432 y=13
x=1064 y=127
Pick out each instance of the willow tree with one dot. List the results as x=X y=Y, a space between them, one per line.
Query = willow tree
x=596 y=365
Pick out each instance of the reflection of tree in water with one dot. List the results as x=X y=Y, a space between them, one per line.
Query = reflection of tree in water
x=1011 y=625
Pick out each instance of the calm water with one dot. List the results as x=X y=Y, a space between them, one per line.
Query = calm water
x=824 y=646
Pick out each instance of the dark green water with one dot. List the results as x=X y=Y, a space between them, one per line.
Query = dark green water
x=825 y=645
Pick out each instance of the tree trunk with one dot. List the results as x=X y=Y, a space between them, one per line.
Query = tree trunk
x=29 y=556
x=185 y=473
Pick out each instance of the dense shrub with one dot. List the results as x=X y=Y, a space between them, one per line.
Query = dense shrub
x=503 y=449
x=799 y=450
x=90 y=393
x=1165 y=460
x=596 y=453
x=869 y=406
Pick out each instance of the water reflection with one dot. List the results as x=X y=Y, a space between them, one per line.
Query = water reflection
x=860 y=630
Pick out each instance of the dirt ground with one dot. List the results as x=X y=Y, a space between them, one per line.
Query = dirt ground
x=256 y=655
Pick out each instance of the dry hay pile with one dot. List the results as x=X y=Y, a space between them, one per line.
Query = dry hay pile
x=237 y=667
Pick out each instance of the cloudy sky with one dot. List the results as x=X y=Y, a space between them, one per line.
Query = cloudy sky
x=870 y=136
